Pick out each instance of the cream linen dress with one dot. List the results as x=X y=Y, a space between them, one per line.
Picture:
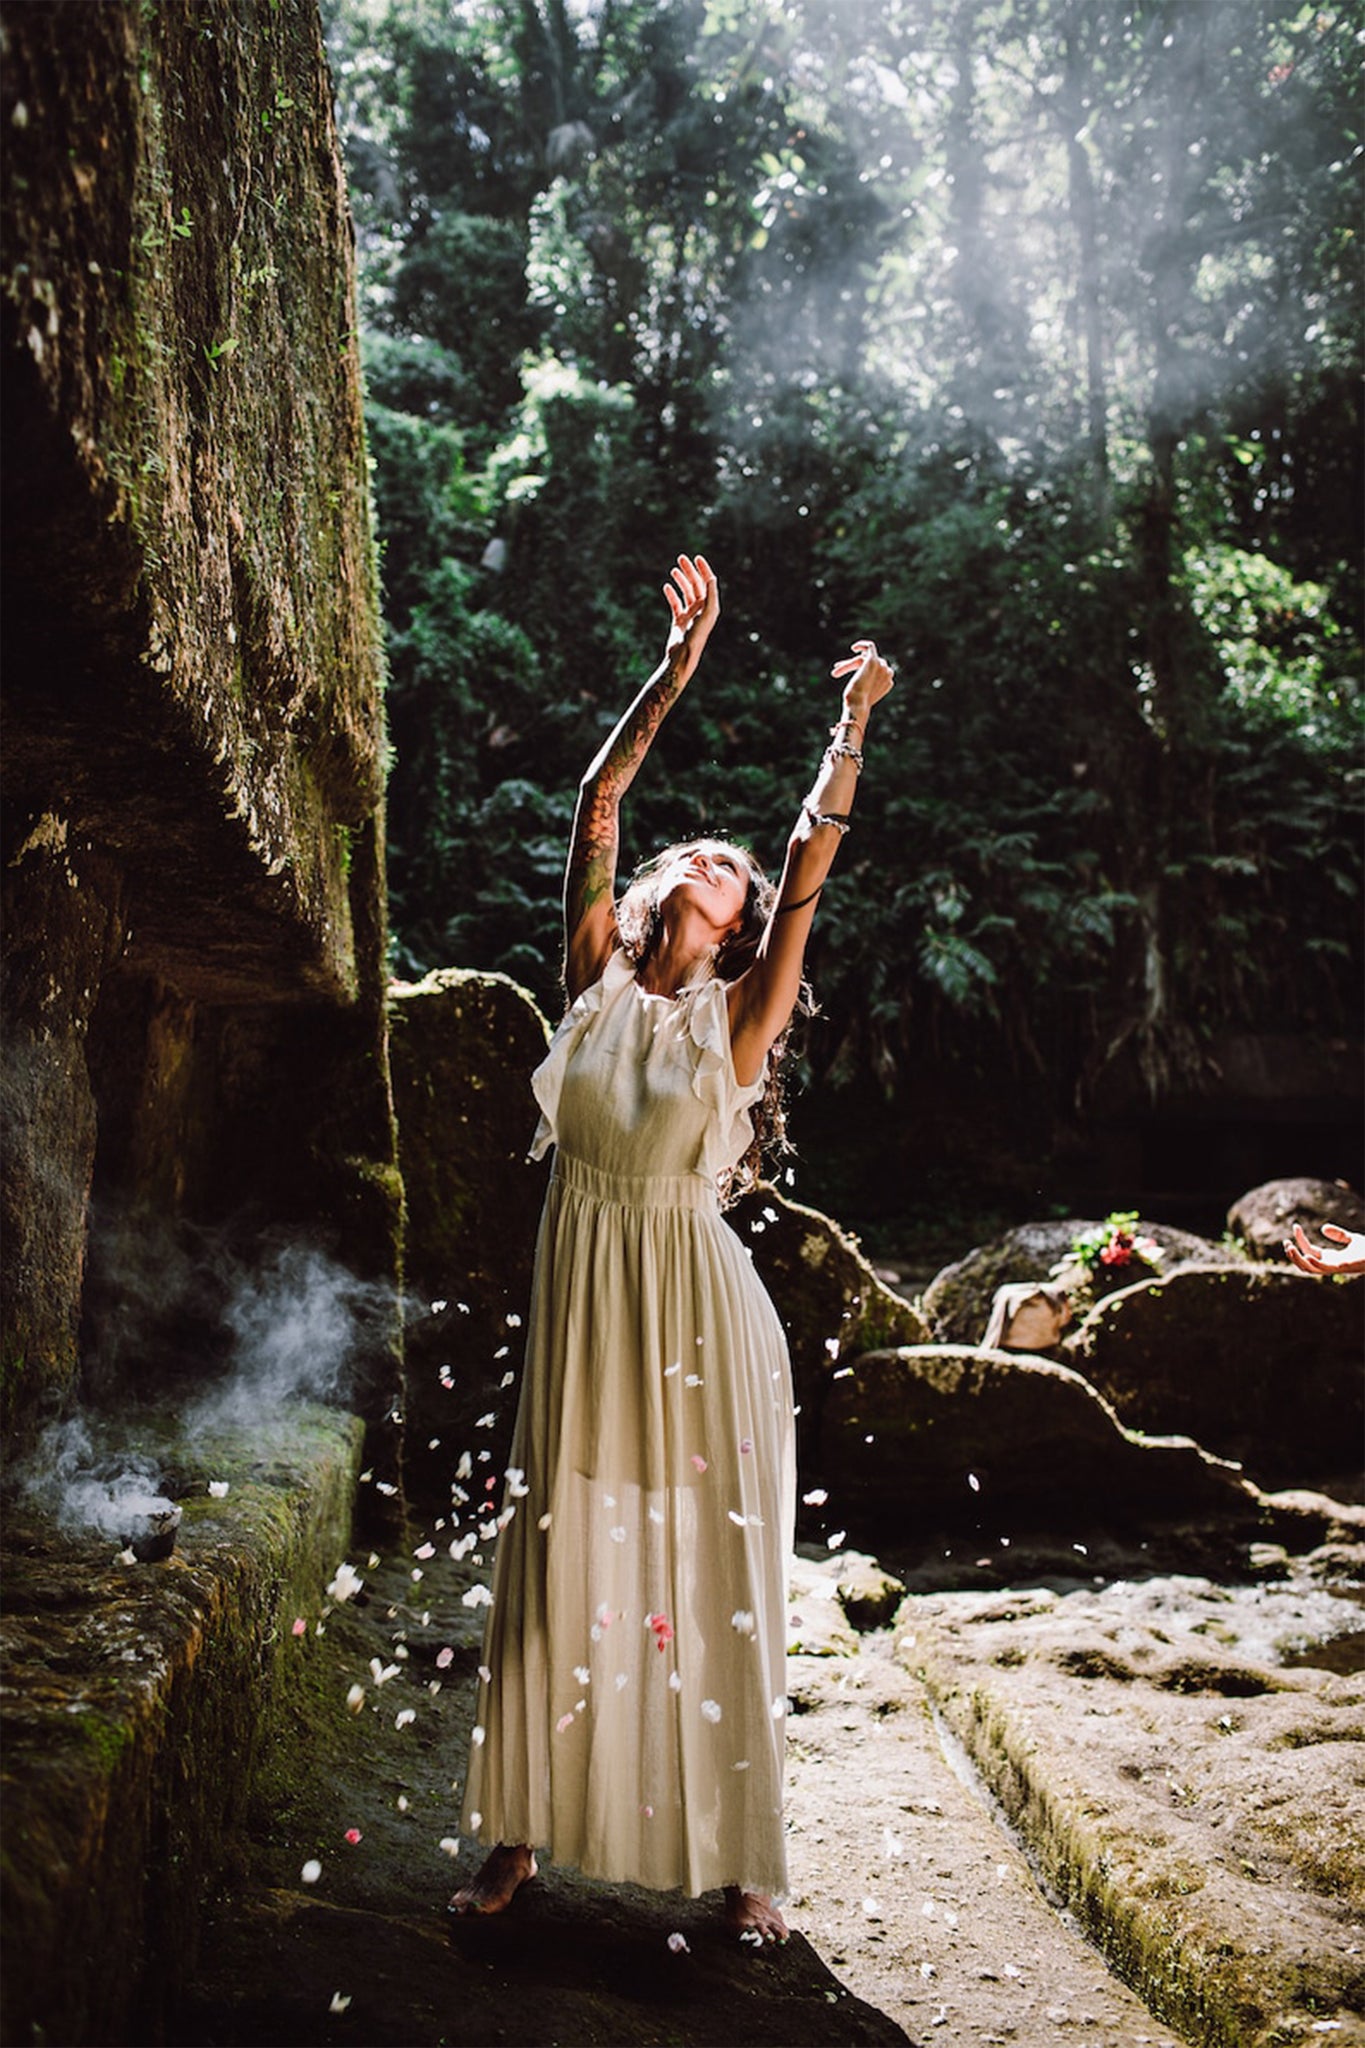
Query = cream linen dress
x=632 y=1700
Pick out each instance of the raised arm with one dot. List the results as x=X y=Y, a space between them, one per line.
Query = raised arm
x=590 y=878
x=762 y=999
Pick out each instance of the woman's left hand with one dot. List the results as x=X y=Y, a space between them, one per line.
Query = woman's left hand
x=872 y=677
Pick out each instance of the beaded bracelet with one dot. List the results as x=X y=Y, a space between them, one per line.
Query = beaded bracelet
x=835 y=730
x=837 y=751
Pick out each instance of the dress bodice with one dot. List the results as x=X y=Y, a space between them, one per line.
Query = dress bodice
x=638 y=1085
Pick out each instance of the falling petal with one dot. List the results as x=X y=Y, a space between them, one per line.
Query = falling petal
x=618 y=1535
x=300 y=1627
x=402 y=1802
x=355 y=1698
x=675 y=1681
x=485 y=1674
x=694 y=1379
x=450 y=1844
x=678 y=1944
x=345 y=1584
x=402 y=1718
x=698 y=1462
x=582 y=1674
x=425 y=1550
x=564 y=1721
x=477 y=1736
x=871 y=1909
x=444 y=1658
x=648 y=1812
x=746 y=1444
x=353 y=1836
x=340 y=2001
x=622 y=1680
x=752 y=1937
x=478 y=1596
x=218 y=1489
x=711 y=1710
x=544 y=1522
x=312 y=1871
x=816 y=1498
x=836 y=1541
x=742 y=1621
x=973 y=1482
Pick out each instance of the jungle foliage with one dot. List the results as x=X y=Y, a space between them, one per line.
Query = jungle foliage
x=1021 y=334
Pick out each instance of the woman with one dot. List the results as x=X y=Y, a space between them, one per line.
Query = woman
x=633 y=1685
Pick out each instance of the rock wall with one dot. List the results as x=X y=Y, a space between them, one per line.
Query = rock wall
x=193 y=768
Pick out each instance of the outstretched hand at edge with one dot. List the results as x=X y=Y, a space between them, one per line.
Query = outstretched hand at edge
x=1311 y=1258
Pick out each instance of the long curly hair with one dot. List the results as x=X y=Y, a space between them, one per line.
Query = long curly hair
x=639 y=924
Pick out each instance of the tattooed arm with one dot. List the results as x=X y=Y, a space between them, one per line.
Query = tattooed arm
x=590 y=879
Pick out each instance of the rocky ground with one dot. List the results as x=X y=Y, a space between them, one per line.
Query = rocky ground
x=918 y=1915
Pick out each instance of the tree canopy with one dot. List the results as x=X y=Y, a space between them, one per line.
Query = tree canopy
x=1023 y=335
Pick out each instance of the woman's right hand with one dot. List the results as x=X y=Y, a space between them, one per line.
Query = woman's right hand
x=695 y=605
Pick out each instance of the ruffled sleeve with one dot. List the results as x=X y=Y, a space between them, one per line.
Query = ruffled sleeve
x=548 y=1079
x=729 y=1127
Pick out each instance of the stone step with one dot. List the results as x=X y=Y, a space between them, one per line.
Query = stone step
x=137 y=1700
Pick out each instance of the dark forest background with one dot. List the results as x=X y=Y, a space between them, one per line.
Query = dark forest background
x=1027 y=339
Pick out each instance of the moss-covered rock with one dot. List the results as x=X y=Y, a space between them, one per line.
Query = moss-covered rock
x=1260 y=1363
x=929 y=1436
x=192 y=857
x=138 y=1701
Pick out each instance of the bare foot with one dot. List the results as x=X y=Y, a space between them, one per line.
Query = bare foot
x=753 y=1913
x=497 y=1882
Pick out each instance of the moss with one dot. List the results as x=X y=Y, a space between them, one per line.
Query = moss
x=141 y=1702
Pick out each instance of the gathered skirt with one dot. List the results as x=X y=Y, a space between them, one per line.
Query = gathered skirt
x=632 y=1700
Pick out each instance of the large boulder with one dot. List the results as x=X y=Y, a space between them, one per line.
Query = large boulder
x=1261 y=1218
x=937 y=1436
x=1260 y=1363
x=958 y=1301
